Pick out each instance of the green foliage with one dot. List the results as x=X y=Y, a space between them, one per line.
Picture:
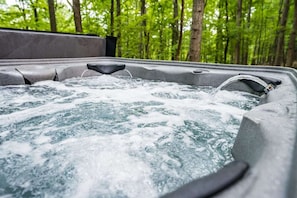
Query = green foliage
x=219 y=27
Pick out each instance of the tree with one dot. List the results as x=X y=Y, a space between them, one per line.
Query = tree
x=219 y=35
x=248 y=38
x=196 y=30
x=238 y=38
x=292 y=40
x=279 y=53
x=33 y=4
x=112 y=18
x=174 y=26
x=119 y=46
x=143 y=33
x=181 y=27
x=24 y=13
x=52 y=15
x=233 y=31
x=77 y=16
x=227 y=31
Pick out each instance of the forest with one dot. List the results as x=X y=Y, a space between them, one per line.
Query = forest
x=249 y=32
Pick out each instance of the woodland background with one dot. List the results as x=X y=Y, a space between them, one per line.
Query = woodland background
x=257 y=32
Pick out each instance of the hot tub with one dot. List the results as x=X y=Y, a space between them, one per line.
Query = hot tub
x=265 y=156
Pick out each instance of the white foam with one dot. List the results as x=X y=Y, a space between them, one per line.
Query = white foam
x=13 y=147
x=3 y=134
x=105 y=162
x=154 y=117
x=26 y=114
x=224 y=96
x=42 y=139
x=7 y=196
x=38 y=154
x=128 y=175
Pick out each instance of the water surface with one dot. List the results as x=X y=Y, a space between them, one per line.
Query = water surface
x=113 y=137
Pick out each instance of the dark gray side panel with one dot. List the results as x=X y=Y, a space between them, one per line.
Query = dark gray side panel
x=28 y=44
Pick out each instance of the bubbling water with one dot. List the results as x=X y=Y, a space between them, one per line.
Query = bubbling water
x=113 y=136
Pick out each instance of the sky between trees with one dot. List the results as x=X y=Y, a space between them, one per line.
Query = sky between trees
x=258 y=32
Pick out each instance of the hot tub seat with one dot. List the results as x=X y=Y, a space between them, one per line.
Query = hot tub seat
x=35 y=73
x=66 y=72
x=11 y=77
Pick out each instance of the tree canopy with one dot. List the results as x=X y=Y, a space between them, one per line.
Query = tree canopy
x=260 y=32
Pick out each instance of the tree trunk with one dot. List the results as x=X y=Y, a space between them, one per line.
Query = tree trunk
x=238 y=38
x=35 y=13
x=161 y=52
x=24 y=14
x=196 y=30
x=259 y=44
x=146 y=34
x=279 y=58
x=219 y=35
x=143 y=33
x=254 y=59
x=162 y=44
x=265 y=43
x=112 y=18
x=77 y=16
x=174 y=29
x=52 y=15
x=248 y=40
x=227 y=32
x=35 y=16
x=272 y=48
x=119 y=43
x=292 y=39
x=181 y=27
